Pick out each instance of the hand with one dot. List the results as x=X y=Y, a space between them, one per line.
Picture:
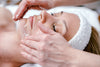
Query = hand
x=45 y=4
x=49 y=49
x=32 y=4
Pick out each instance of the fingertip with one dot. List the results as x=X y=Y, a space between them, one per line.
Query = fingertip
x=16 y=15
x=21 y=45
x=24 y=54
x=22 y=41
x=14 y=18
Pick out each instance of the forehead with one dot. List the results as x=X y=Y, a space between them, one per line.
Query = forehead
x=61 y=13
x=65 y=15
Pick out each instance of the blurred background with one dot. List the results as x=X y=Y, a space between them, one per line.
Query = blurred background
x=9 y=2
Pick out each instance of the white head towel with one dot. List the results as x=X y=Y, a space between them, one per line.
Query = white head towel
x=82 y=37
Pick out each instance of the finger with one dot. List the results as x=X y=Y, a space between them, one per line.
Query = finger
x=41 y=3
x=22 y=9
x=30 y=57
x=31 y=44
x=36 y=7
x=37 y=2
x=45 y=29
x=32 y=52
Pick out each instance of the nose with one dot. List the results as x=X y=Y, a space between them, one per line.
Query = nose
x=45 y=16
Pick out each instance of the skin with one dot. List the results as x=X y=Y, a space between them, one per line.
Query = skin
x=65 y=29
x=51 y=49
x=10 y=38
x=71 y=56
x=56 y=54
x=45 y=4
x=9 y=41
x=62 y=21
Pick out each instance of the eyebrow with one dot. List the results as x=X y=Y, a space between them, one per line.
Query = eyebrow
x=57 y=13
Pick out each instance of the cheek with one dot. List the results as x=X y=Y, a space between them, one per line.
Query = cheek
x=60 y=28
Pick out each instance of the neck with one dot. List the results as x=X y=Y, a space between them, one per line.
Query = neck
x=10 y=64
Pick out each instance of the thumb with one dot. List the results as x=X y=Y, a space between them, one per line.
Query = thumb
x=45 y=29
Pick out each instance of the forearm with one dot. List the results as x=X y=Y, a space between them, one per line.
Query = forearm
x=71 y=2
x=89 y=60
x=85 y=59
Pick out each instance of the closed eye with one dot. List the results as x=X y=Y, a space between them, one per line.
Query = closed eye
x=62 y=12
x=52 y=14
x=54 y=28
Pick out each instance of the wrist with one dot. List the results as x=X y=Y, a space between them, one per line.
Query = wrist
x=72 y=57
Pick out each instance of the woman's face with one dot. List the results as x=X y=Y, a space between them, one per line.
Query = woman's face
x=66 y=24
